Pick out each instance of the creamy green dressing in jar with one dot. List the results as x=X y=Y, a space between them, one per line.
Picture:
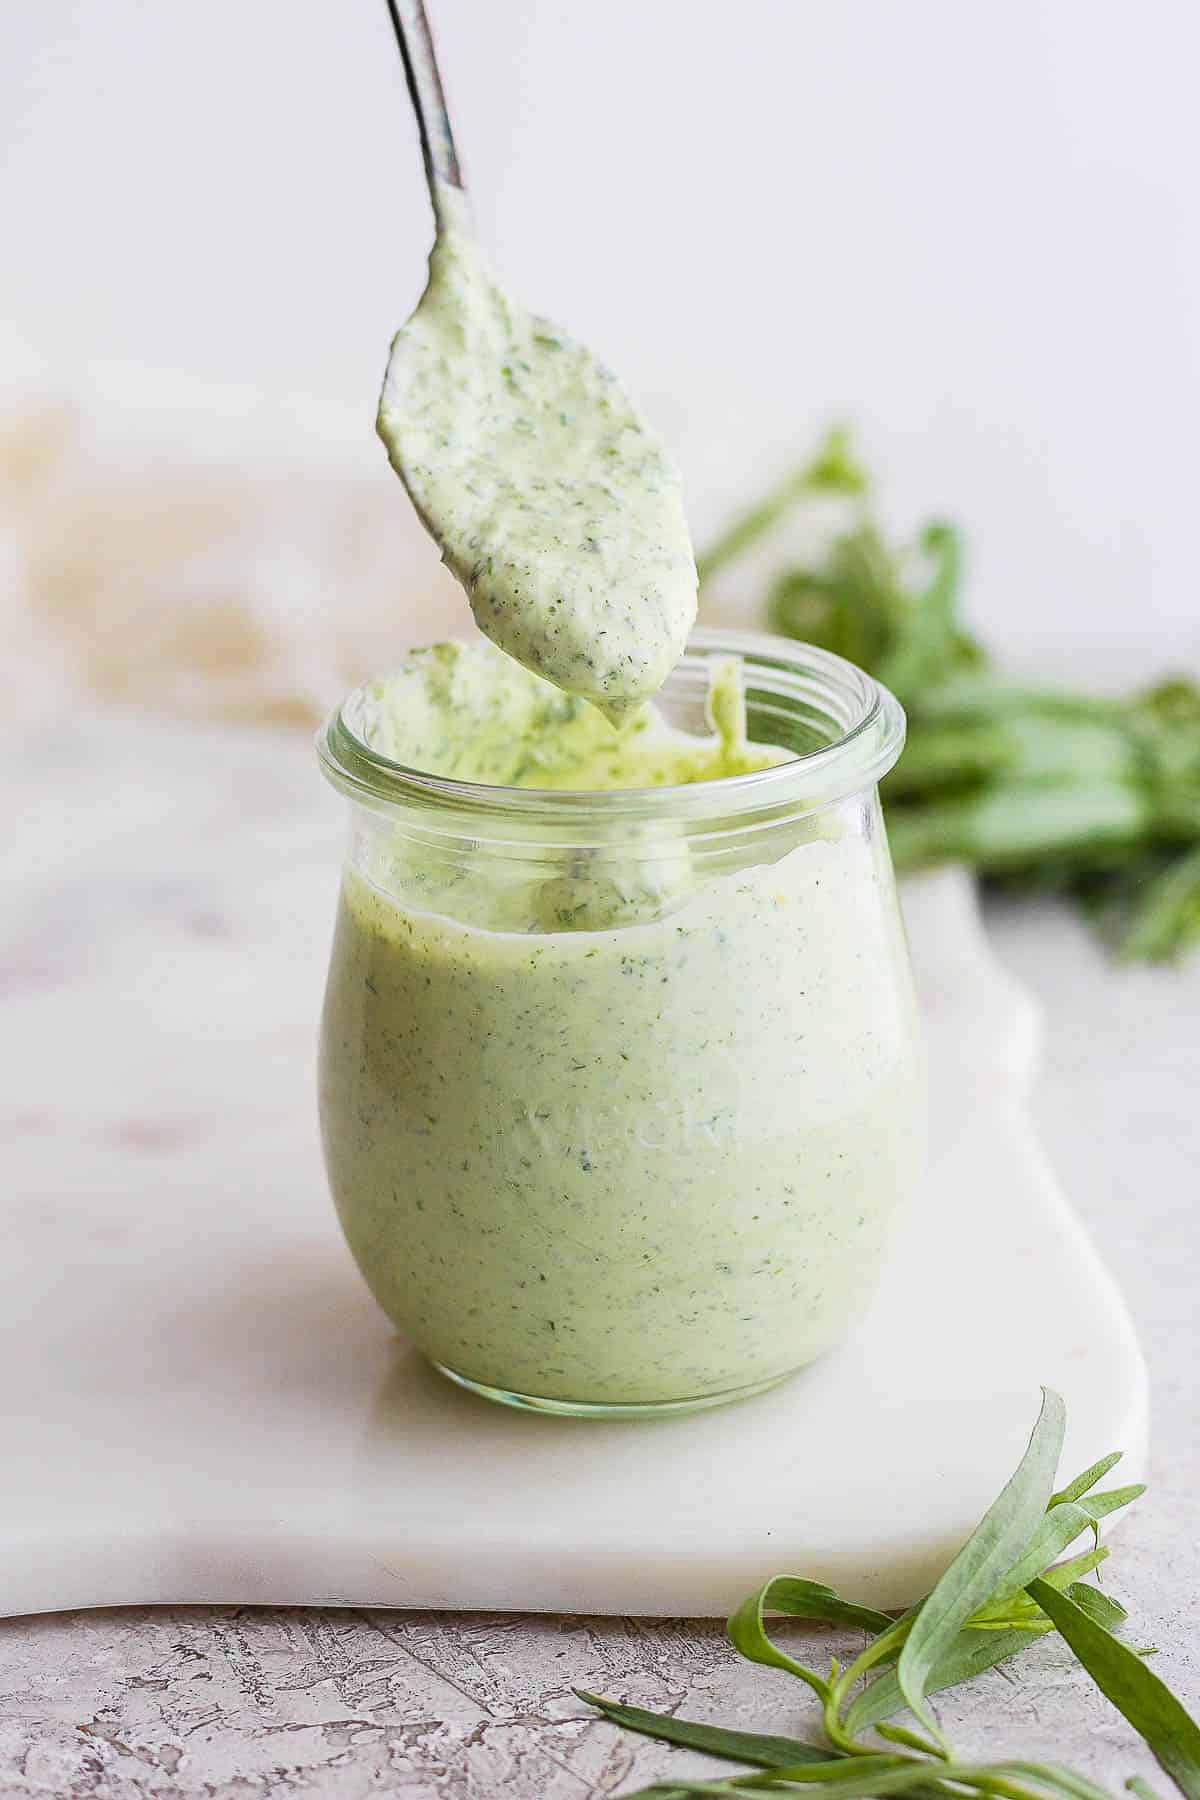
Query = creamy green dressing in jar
x=621 y=1085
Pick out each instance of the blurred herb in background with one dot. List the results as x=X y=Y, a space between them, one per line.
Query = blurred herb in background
x=1044 y=790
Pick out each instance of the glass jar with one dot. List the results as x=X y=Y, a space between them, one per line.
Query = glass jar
x=621 y=1091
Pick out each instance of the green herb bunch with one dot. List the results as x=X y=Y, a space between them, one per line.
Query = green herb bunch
x=1097 y=799
x=1004 y=1590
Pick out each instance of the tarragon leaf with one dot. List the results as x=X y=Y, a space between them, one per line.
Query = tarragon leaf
x=1102 y=1607
x=984 y=1560
x=735 y=1746
x=1083 y=1484
x=1134 y=1689
x=1064 y=1521
x=1064 y=1573
x=971 y=1654
x=802 y=1600
x=874 y=1777
x=833 y=470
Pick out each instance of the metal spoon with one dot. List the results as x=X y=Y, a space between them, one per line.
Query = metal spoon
x=442 y=167
x=553 y=502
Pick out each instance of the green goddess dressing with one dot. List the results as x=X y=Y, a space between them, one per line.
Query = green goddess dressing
x=618 y=1125
x=555 y=504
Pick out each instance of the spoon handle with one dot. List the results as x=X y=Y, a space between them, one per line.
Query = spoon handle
x=442 y=168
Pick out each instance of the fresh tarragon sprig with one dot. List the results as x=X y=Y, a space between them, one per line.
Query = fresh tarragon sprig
x=1006 y=1587
x=1037 y=788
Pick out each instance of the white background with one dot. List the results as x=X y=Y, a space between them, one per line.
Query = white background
x=972 y=228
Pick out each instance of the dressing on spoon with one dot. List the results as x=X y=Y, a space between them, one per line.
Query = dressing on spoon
x=554 y=503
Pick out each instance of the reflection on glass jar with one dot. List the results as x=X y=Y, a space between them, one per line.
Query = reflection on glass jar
x=621 y=1090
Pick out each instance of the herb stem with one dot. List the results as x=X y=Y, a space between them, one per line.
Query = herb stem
x=833 y=470
x=887 y=1644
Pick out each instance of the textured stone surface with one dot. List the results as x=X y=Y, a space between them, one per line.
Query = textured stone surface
x=245 y=1705
x=225 y=1703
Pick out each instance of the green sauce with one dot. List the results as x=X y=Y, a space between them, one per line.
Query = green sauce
x=554 y=503
x=614 y=1114
x=605 y=1126
x=471 y=713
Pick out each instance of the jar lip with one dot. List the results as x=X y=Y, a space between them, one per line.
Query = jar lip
x=865 y=750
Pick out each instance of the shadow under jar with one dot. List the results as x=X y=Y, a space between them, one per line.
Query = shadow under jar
x=621 y=1091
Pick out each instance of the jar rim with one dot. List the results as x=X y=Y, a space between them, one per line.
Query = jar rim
x=868 y=744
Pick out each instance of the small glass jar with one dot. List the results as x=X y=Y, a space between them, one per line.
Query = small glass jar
x=621 y=1091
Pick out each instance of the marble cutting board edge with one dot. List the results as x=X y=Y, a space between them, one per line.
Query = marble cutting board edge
x=201 y=1404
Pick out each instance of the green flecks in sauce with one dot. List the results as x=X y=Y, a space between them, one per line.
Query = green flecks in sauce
x=466 y=711
x=601 y=1124
x=554 y=503
x=601 y=1127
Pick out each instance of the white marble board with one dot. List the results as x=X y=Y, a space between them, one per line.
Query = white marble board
x=199 y=1401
